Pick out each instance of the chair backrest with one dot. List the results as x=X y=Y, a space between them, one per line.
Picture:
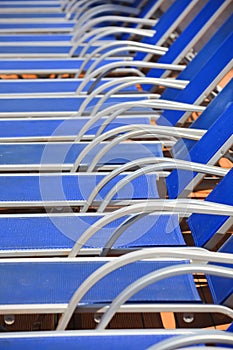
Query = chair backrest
x=149 y=7
x=208 y=150
x=217 y=106
x=230 y=329
x=201 y=84
x=222 y=288
x=146 y=11
x=204 y=226
x=207 y=50
x=168 y=22
x=191 y=34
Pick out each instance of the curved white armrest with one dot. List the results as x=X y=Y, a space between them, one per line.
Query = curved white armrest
x=119 y=64
x=98 y=33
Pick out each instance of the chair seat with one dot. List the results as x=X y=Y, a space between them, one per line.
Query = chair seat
x=54 y=38
x=40 y=50
x=16 y=16
x=60 y=232
x=61 y=105
x=24 y=128
x=35 y=38
x=67 y=26
x=54 y=281
x=57 y=65
x=65 y=86
x=39 y=189
x=66 y=153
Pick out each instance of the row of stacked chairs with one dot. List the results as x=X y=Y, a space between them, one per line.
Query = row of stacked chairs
x=116 y=183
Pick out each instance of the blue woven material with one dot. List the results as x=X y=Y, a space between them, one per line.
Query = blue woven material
x=204 y=226
x=35 y=38
x=187 y=36
x=222 y=288
x=32 y=15
x=50 y=86
x=203 y=151
x=215 y=108
x=72 y=187
x=38 y=49
x=214 y=65
x=29 y=6
x=165 y=21
x=56 y=232
x=55 y=282
x=59 y=127
x=58 y=38
x=200 y=60
x=67 y=153
x=53 y=104
x=37 y=64
x=36 y=25
x=86 y=342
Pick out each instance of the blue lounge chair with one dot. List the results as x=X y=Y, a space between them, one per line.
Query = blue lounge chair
x=65 y=284
x=206 y=231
